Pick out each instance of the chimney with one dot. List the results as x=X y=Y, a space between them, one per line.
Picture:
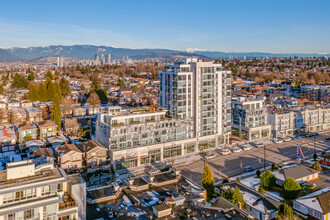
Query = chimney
x=240 y=205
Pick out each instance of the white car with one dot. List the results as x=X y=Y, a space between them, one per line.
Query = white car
x=209 y=156
x=260 y=145
x=278 y=141
x=287 y=139
x=225 y=152
x=246 y=147
x=236 y=150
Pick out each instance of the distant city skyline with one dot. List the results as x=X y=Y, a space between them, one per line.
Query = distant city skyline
x=297 y=26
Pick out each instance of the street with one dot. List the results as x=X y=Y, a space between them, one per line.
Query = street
x=234 y=163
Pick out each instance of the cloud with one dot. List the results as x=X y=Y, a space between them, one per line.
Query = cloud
x=193 y=50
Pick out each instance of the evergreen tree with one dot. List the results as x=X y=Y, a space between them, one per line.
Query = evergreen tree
x=56 y=112
x=19 y=81
x=208 y=181
x=50 y=75
x=33 y=93
x=284 y=210
x=291 y=188
x=261 y=190
x=51 y=92
x=58 y=90
x=31 y=75
x=42 y=91
x=238 y=179
x=317 y=166
x=65 y=87
x=121 y=83
x=267 y=179
x=237 y=197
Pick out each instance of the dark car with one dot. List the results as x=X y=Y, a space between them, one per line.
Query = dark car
x=166 y=168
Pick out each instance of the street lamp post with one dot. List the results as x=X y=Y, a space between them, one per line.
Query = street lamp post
x=264 y=156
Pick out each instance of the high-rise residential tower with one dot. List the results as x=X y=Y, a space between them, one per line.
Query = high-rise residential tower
x=198 y=90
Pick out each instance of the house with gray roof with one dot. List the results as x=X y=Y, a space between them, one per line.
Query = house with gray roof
x=300 y=173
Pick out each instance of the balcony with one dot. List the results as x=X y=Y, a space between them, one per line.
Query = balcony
x=68 y=202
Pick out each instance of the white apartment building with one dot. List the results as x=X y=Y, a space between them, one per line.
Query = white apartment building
x=249 y=119
x=201 y=91
x=40 y=192
x=194 y=114
x=296 y=121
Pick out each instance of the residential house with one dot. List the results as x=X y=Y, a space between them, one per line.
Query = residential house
x=26 y=132
x=314 y=206
x=71 y=126
x=80 y=111
x=34 y=114
x=13 y=104
x=7 y=140
x=34 y=144
x=56 y=140
x=126 y=92
x=3 y=105
x=43 y=156
x=325 y=159
x=95 y=153
x=256 y=204
x=26 y=104
x=18 y=115
x=69 y=156
x=300 y=173
x=47 y=129
x=4 y=117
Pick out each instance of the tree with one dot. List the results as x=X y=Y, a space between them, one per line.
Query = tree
x=238 y=179
x=258 y=173
x=58 y=90
x=65 y=87
x=291 y=188
x=208 y=181
x=94 y=99
x=225 y=180
x=28 y=138
x=31 y=75
x=121 y=83
x=42 y=91
x=19 y=81
x=284 y=210
x=103 y=95
x=314 y=156
x=50 y=75
x=33 y=93
x=274 y=167
x=1 y=89
x=56 y=111
x=267 y=179
x=96 y=84
x=317 y=166
x=67 y=106
x=261 y=190
x=234 y=196
x=51 y=92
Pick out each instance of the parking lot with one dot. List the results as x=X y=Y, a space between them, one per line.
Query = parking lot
x=233 y=164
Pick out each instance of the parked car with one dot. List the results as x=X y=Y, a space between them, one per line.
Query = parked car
x=248 y=169
x=259 y=145
x=296 y=137
x=327 y=138
x=287 y=139
x=209 y=156
x=236 y=150
x=246 y=147
x=278 y=141
x=166 y=168
x=225 y=152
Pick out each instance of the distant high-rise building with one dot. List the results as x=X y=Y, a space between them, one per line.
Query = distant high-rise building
x=102 y=59
x=60 y=61
x=108 y=58
x=97 y=60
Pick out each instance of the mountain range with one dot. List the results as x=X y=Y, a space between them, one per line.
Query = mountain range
x=89 y=51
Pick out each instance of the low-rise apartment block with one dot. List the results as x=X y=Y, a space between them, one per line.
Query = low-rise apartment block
x=249 y=119
x=295 y=121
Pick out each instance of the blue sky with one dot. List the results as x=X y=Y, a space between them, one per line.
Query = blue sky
x=221 y=25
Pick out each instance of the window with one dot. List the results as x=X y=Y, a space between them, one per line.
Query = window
x=45 y=190
x=59 y=187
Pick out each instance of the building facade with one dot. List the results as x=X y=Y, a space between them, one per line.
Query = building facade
x=297 y=121
x=194 y=114
x=40 y=192
x=249 y=119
